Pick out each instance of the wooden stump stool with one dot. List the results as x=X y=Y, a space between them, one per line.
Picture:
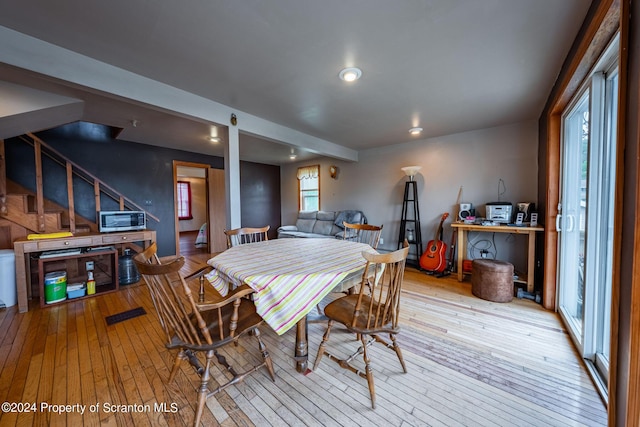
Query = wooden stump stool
x=492 y=280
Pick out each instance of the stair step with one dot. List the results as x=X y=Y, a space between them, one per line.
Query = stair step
x=21 y=211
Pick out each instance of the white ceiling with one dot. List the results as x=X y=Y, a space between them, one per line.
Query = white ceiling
x=447 y=66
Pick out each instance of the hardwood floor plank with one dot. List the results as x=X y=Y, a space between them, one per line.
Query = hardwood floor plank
x=19 y=350
x=470 y=363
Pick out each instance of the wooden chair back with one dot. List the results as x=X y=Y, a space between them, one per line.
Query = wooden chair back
x=244 y=235
x=192 y=327
x=363 y=233
x=374 y=311
x=172 y=304
x=378 y=306
x=178 y=312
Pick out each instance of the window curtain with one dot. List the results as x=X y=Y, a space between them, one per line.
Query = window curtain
x=308 y=172
x=184 y=200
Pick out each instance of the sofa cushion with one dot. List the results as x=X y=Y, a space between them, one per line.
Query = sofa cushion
x=307 y=214
x=326 y=216
x=306 y=221
x=323 y=227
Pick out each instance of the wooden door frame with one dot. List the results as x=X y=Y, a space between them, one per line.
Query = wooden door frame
x=176 y=164
x=603 y=20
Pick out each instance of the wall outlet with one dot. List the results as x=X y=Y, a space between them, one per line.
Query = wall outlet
x=381 y=241
x=484 y=253
x=89 y=265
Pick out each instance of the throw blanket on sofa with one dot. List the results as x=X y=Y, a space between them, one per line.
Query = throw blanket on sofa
x=350 y=216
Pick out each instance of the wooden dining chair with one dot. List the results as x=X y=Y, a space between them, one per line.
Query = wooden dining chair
x=241 y=236
x=370 y=314
x=363 y=233
x=200 y=328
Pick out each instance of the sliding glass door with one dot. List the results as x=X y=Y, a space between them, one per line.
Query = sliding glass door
x=586 y=213
x=572 y=210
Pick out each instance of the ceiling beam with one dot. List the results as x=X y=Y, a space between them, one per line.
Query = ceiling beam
x=32 y=54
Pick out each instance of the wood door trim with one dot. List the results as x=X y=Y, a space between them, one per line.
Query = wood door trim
x=177 y=163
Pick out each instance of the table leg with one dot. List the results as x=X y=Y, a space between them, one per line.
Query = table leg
x=302 y=346
x=462 y=249
x=531 y=257
x=22 y=284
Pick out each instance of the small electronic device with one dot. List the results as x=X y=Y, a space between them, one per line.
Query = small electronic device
x=466 y=210
x=110 y=221
x=519 y=218
x=534 y=219
x=526 y=208
x=499 y=212
x=60 y=253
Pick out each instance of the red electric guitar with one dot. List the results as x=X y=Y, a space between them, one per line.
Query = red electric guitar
x=434 y=259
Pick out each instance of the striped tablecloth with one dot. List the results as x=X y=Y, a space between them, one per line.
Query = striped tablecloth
x=290 y=276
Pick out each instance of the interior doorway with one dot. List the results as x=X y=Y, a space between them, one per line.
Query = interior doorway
x=191 y=207
x=210 y=226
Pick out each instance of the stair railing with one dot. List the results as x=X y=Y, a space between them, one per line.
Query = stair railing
x=72 y=169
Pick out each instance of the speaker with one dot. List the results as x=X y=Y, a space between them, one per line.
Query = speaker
x=526 y=208
x=465 y=211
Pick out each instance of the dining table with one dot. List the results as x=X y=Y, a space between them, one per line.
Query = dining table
x=290 y=277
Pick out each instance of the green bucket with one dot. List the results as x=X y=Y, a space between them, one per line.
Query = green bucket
x=55 y=287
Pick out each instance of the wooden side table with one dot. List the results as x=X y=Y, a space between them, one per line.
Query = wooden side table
x=23 y=249
x=463 y=229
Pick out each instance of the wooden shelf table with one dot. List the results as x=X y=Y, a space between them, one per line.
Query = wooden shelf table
x=463 y=229
x=24 y=248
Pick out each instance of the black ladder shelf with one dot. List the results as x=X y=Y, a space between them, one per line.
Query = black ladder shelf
x=410 y=222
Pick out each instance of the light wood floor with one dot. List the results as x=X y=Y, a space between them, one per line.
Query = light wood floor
x=470 y=362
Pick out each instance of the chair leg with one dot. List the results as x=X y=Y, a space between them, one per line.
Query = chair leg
x=176 y=364
x=368 y=372
x=396 y=347
x=203 y=390
x=325 y=338
x=265 y=354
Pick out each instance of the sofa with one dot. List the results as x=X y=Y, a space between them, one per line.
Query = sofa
x=324 y=224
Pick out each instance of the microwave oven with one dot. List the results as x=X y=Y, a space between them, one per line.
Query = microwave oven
x=110 y=221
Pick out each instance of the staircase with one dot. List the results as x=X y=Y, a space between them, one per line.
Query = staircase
x=24 y=212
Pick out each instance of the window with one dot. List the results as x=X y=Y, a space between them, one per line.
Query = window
x=309 y=188
x=184 y=200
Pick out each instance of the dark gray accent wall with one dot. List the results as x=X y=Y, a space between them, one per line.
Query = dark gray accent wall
x=260 y=196
x=143 y=173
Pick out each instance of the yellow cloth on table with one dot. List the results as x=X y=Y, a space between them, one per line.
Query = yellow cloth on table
x=50 y=235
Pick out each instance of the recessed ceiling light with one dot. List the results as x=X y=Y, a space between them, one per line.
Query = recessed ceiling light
x=350 y=74
x=215 y=139
x=415 y=131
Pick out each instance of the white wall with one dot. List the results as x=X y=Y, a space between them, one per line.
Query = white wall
x=475 y=160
